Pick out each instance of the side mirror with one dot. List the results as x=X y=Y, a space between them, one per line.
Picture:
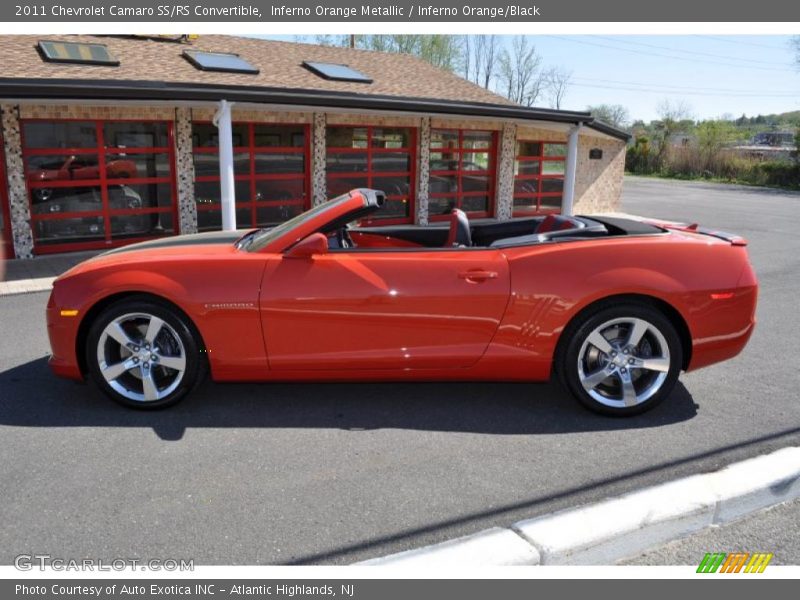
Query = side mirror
x=316 y=243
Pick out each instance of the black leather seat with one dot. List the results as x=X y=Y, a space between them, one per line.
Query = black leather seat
x=460 y=234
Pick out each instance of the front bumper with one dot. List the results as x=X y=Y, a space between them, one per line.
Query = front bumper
x=63 y=334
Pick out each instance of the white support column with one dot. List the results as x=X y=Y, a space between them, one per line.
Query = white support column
x=571 y=169
x=222 y=120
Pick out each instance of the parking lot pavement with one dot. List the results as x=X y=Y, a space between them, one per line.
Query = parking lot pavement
x=770 y=531
x=315 y=473
x=37 y=274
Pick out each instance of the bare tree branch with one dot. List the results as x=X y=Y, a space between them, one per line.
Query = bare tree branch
x=558 y=80
x=520 y=77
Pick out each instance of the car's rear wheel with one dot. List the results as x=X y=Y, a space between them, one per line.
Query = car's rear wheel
x=620 y=360
x=144 y=354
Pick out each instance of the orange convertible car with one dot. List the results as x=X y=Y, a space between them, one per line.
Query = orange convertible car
x=616 y=307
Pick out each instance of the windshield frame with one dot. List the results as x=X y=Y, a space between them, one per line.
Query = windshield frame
x=257 y=240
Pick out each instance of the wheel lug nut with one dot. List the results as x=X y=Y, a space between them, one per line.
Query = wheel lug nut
x=613 y=353
x=146 y=365
x=136 y=360
x=136 y=348
x=630 y=361
x=624 y=370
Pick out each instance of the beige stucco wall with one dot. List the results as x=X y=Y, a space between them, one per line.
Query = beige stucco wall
x=255 y=116
x=598 y=183
x=83 y=111
x=461 y=123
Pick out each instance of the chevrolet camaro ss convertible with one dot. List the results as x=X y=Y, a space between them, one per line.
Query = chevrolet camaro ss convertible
x=616 y=307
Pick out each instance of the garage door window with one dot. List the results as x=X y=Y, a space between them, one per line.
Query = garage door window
x=271 y=175
x=382 y=158
x=93 y=183
x=539 y=177
x=462 y=172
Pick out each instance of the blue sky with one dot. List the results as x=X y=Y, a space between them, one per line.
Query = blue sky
x=714 y=74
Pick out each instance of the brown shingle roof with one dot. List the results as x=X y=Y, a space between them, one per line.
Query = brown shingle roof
x=280 y=63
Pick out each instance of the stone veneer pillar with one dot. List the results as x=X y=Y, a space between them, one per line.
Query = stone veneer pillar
x=319 y=187
x=423 y=177
x=21 y=232
x=504 y=195
x=184 y=171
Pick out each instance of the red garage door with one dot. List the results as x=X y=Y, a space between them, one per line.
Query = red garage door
x=95 y=184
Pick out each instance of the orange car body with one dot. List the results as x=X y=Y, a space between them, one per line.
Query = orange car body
x=393 y=310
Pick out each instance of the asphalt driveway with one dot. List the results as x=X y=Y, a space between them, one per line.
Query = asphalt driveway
x=312 y=473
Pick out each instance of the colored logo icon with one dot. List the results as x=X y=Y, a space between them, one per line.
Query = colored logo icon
x=737 y=562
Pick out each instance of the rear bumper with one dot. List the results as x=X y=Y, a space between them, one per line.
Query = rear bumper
x=711 y=351
x=727 y=327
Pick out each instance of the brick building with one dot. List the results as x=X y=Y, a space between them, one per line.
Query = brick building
x=112 y=139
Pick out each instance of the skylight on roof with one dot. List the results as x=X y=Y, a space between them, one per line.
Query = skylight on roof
x=219 y=61
x=77 y=53
x=336 y=72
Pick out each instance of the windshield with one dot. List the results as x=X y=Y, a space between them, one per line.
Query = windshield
x=255 y=241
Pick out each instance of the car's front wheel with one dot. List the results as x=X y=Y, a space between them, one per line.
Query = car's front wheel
x=144 y=354
x=621 y=360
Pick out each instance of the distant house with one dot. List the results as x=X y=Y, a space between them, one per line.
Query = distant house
x=682 y=140
x=774 y=138
x=768 y=145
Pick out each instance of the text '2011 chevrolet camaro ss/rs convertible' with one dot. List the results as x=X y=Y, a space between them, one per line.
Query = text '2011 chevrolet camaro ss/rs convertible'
x=615 y=307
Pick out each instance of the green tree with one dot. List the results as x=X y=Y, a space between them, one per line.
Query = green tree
x=797 y=146
x=615 y=115
x=439 y=50
x=712 y=138
x=325 y=39
x=674 y=117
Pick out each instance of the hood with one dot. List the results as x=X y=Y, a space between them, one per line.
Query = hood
x=194 y=239
x=177 y=247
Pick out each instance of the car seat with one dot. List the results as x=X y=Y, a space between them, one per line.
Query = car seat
x=459 y=234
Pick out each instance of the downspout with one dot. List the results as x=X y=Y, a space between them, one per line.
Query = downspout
x=222 y=121
x=571 y=169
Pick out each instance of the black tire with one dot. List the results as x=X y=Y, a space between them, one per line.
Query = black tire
x=577 y=359
x=177 y=339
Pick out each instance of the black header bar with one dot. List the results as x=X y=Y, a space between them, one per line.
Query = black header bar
x=442 y=11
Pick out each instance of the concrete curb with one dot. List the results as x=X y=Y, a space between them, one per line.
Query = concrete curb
x=26 y=286
x=617 y=528
x=491 y=547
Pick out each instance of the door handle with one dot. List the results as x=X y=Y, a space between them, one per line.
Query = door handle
x=478 y=275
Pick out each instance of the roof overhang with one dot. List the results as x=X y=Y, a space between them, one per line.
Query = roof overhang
x=90 y=89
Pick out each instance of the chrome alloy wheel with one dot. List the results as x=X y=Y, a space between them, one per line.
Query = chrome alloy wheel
x=623 y=362
x=141 y=357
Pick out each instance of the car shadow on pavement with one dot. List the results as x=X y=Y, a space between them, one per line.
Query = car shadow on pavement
x=32 y=397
